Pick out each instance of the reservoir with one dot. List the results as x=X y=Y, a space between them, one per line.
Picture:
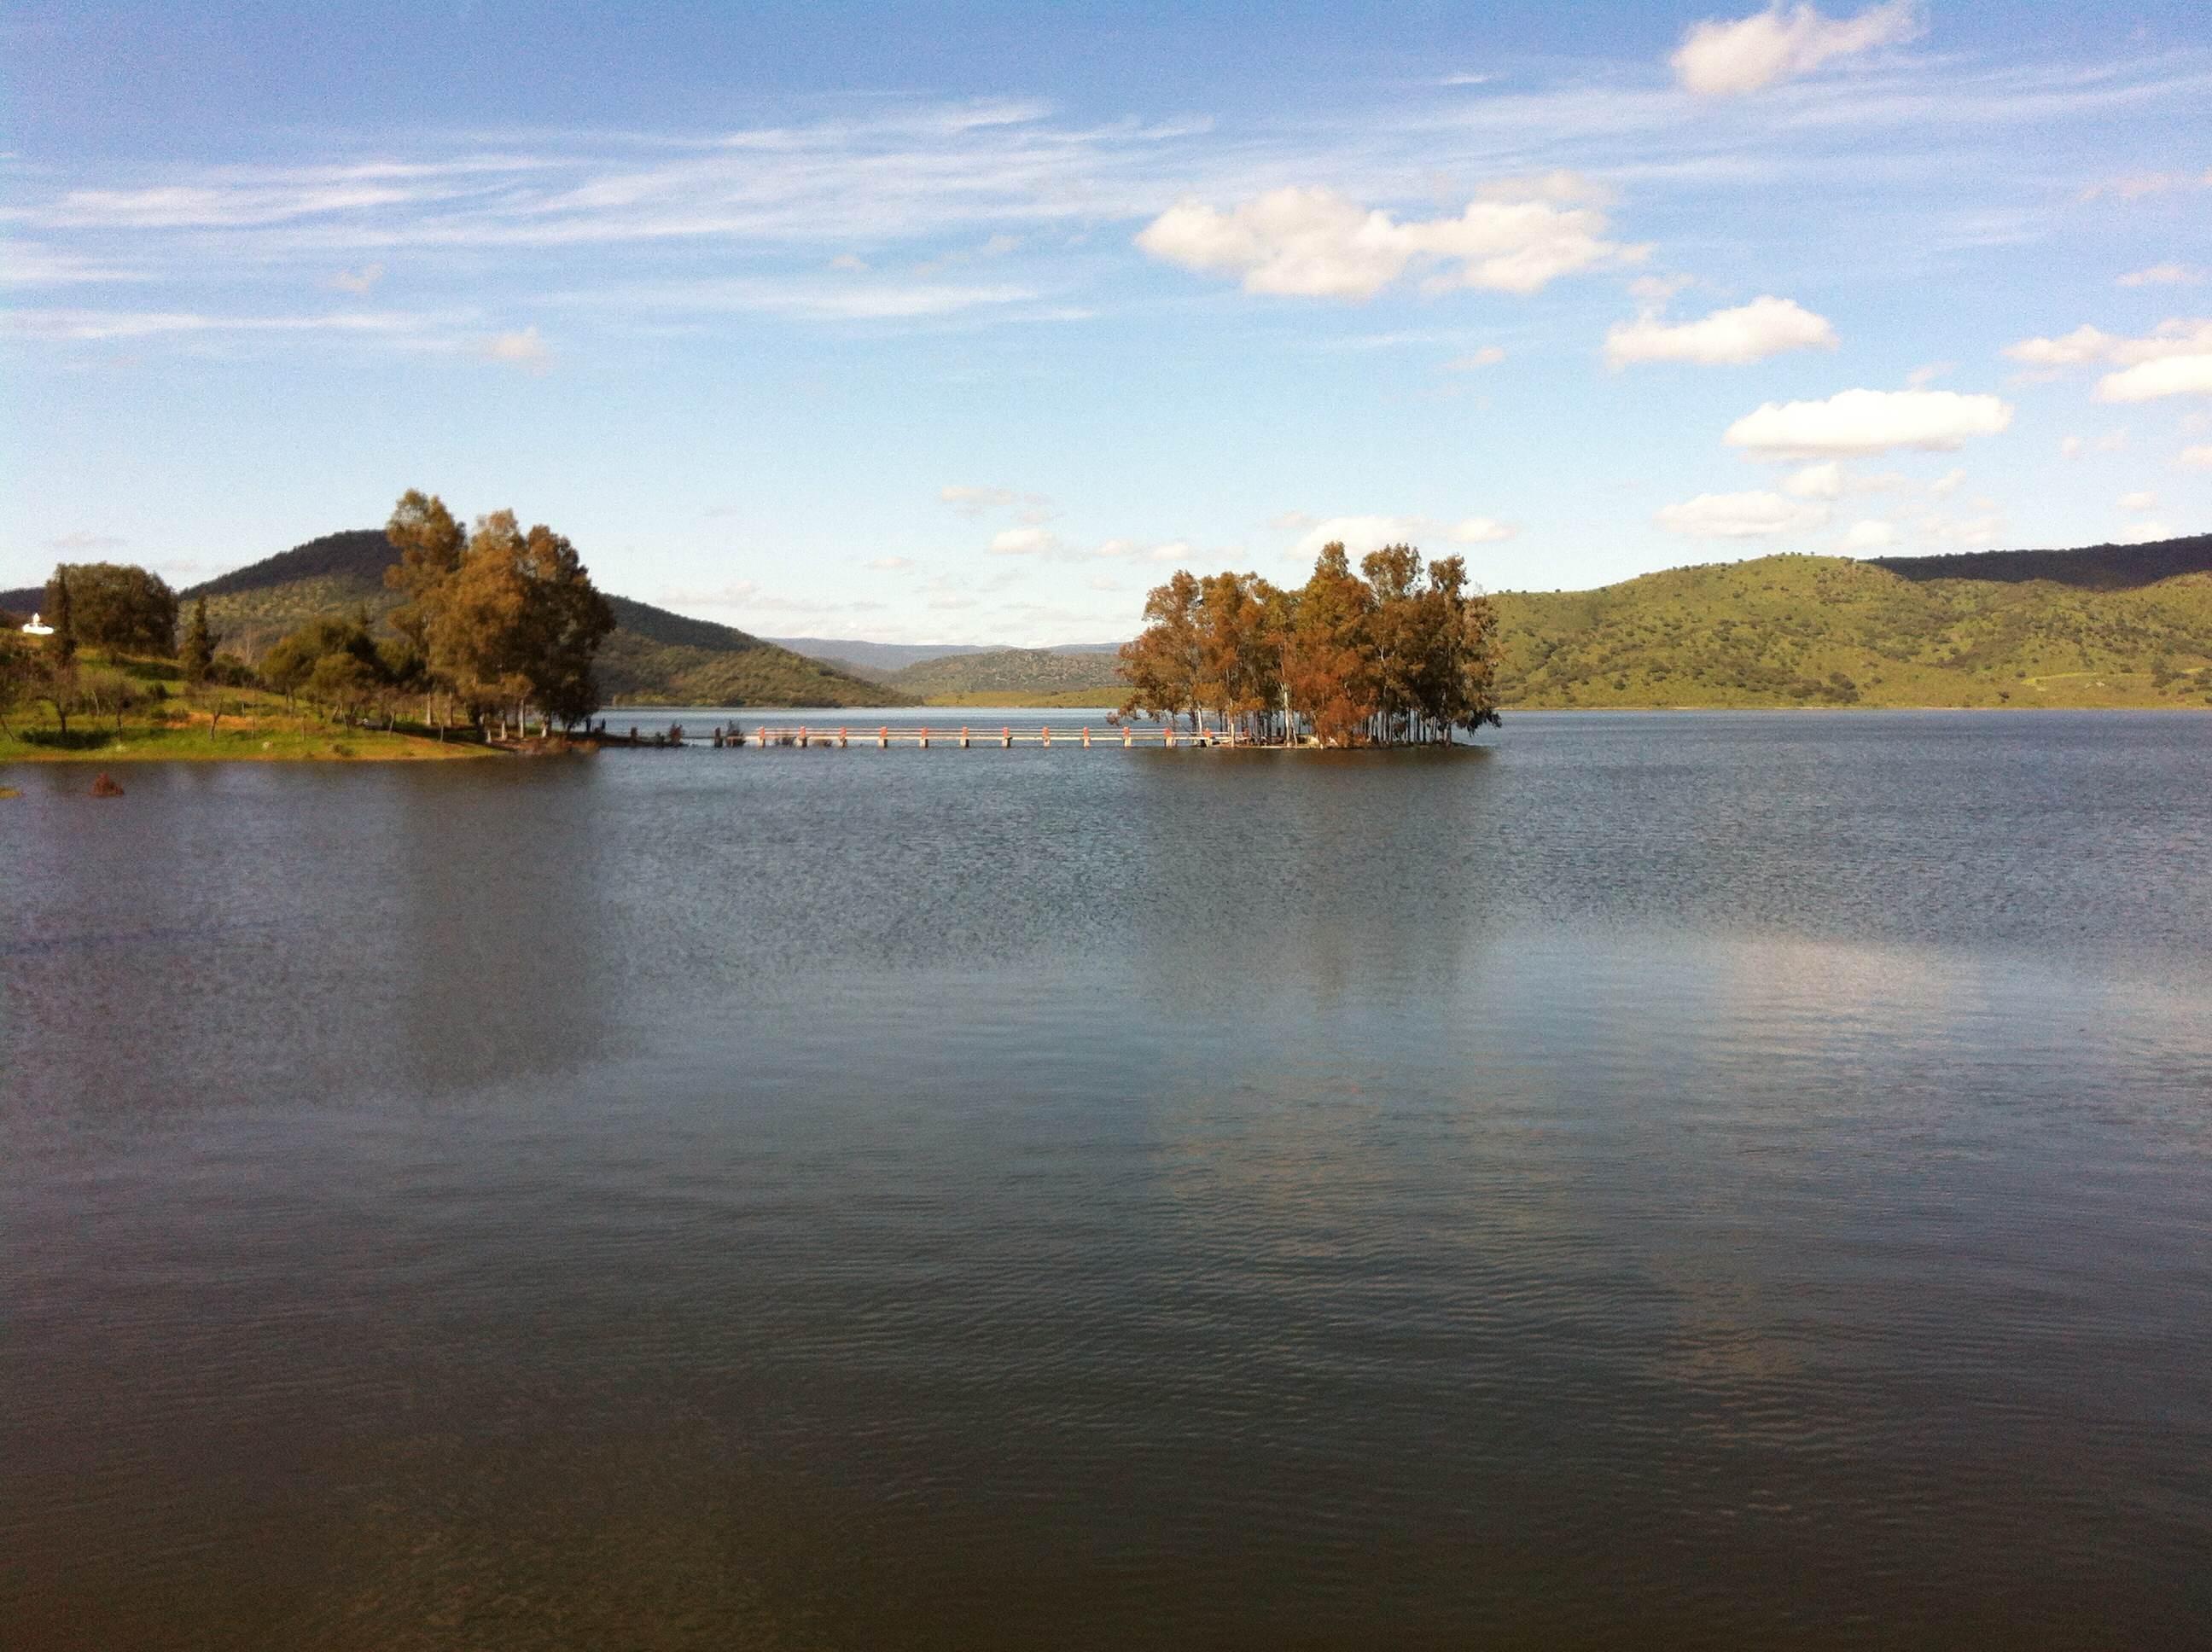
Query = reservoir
x=1699 y=1180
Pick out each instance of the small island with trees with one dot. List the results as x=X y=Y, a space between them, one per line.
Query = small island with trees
x=1403 y=656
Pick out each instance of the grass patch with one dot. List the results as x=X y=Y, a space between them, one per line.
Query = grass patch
x=251 y=727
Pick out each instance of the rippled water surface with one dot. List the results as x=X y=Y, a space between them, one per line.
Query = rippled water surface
x=1656 y=1180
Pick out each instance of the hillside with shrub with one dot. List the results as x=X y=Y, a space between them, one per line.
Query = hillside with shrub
x=654 y=657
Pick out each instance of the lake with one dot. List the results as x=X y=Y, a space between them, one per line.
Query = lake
x=1698 y=1179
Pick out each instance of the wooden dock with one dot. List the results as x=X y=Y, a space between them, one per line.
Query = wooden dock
x=735 y=737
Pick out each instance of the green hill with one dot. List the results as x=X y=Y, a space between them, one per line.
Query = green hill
x=1012 y=677
x=654 y=657
x=1821 y=630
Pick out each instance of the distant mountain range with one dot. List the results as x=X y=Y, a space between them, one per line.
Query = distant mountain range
x=2105 y=625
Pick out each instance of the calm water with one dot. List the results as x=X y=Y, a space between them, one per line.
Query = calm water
x=1657 y=1180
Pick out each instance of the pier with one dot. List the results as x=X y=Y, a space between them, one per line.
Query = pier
x=733 y=737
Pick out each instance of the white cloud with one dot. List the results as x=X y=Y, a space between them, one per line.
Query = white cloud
x=1855 y=422
x=2179 y=337
x=1653 y=291
x=1726 y=58
x=1361 y=534
x=2135 y=185
x=2161 y=275
x=2168 y=375
x=524 y=350
x=1292 y=521
x=1823 y=481
x=1981 y=530
x=1737 y=516
x=1488 y=356
x=1023 y=542
x=890 y=564
x=94 y=325
x=2111 y=442
x=1316 y=243
x=1869 y=535
x=851 y=263
x=2142 y=534
x=2197 y=457
x=1750 y=332
x=1947 y=484
x=977 y=501
x=2073 y=350
x=1927 y=374
x=358 y=282
x=2139 y=502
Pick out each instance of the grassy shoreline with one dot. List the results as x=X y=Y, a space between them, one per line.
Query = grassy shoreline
x=193 y=735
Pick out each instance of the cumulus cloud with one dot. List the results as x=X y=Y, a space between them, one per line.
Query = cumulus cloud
x=1724 y=57
x=1859 y=422
x=1750 y=332
x=2139 y=502
x=2148 y=381
x=2173 y=358
x=890 y=564
x=1361 y=534
x=1023 y=542
x=2197 y=457
x=1737 y=516
x=1316 y=243
x=1823 y=481
x=2142 y=534
x=2161 y=275
x=1488 y=356
x=524 y=350
x=363 y=280
x=1869 y=535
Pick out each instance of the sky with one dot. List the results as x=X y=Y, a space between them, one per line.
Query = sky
x=970 y=322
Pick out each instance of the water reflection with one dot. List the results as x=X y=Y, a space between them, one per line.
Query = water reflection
x=1650 y=1181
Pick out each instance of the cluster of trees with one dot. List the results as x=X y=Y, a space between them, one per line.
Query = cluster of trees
x=493 y=622
x=496 y=618
x=1404 y=653
x=112 y=605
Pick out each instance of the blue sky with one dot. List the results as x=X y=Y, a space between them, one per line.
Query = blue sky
x=968 y=323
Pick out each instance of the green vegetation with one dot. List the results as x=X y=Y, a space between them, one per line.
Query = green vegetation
x=1392 y=658
x=1012 y=677
x=652 y=657
x=494 y=618
x=657 y=657
x=117 y=708
x=1825 y=631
